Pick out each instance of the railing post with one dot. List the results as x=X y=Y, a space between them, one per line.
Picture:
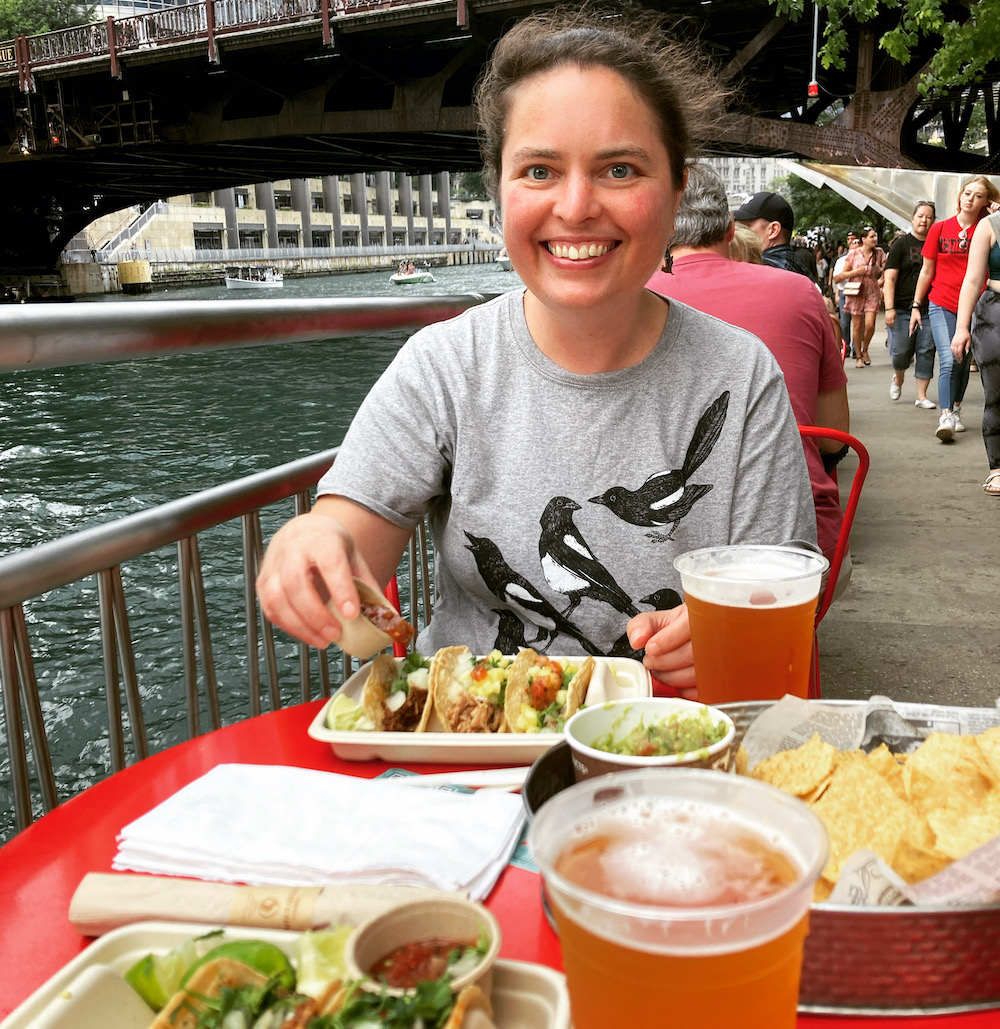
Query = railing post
x=210 y=29
x=462 y=17
x=22 y=55
x=324 y=13
x=116 y=71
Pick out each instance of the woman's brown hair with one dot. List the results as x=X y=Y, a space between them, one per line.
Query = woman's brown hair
x=671 y=75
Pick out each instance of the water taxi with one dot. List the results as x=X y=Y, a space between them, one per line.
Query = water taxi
x=250 y=277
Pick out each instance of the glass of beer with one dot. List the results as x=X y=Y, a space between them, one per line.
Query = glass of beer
x=752 y=611
x=681 y=897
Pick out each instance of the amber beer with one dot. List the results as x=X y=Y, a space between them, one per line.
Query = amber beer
x=751 y=611
x=681 y=898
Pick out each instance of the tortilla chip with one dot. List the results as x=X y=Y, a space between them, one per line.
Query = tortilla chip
x=860 y=811
x=947 y=770
x=961 y=830
x=741 y=762
x=989 y=744
x=822 y=890
x=884 y=762
x=914 y=863
x=800 y=771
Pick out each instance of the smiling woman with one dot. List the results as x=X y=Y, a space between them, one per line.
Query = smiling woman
x=568 y=439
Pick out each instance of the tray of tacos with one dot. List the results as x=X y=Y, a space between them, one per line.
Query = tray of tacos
x=91 y=991
x=454 y=706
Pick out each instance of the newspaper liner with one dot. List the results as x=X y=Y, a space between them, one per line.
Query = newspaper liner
x=866 y=880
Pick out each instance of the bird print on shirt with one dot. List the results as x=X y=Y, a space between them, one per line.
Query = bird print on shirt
x=517 y=592
x=667 y=497
x=569 y=565
x=664 y=599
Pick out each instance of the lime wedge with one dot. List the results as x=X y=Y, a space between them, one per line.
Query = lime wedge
x=320 y=958
x=157 y=977
x=260 y=955
x=346 y=714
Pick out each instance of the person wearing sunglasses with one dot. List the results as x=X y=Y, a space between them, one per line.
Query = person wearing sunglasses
x=945 y=259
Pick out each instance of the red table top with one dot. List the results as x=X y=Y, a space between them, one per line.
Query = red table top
x=42 y=866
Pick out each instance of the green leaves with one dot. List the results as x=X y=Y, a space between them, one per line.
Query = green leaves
x=26 y=17
x=967 y=43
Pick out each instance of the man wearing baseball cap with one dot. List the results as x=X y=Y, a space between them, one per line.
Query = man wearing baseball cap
x=770 y=217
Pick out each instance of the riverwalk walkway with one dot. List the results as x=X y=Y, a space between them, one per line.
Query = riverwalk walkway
x=921 y=619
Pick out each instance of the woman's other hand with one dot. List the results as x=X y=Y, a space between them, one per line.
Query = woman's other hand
x=960 y=343
x=310 y=563
x=666 y=637
x=916 y=322
x=890 y=317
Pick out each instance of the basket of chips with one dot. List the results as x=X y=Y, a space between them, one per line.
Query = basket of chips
x=919 y=796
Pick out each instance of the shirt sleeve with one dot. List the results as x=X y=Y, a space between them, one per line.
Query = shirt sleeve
x=930 y=247
x=895 y=258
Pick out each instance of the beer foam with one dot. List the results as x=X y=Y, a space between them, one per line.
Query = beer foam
x=686 y=854
x=753 y=584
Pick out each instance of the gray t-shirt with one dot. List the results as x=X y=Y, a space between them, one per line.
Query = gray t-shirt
x=558 y=501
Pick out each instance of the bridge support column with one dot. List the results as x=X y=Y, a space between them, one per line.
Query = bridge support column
x=226 y=199
x=383 y=201
x=444 y=200
x=263 y=194
x=359 y=200
x=427 y=205
x=331 y=201
x=302 y=202
x=406 y=204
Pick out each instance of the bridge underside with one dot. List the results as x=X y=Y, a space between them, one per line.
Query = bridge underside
x=393 y=91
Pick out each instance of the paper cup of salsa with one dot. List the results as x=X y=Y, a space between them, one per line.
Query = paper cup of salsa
x=645 y=732
x=377 y=626
x=424 y=940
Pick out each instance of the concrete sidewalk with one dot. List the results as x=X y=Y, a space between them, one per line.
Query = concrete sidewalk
x=919 y=621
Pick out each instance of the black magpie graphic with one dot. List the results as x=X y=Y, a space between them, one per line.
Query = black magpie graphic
x=510 y=633
x=666 y=497
x=662 y=600
x=569 y=564
x=514 y=590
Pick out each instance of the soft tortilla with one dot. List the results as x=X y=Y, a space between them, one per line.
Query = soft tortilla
x=518 y=686
x=471 y=1000
x=185 y=1009
x=411 y=717
x=459 y=710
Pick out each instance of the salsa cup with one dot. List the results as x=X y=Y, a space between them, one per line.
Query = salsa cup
x=441 y=918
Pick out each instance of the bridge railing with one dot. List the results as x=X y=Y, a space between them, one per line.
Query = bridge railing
x=176 y=24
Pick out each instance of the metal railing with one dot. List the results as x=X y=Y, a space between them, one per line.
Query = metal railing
x=41 y=337
x=177 y=25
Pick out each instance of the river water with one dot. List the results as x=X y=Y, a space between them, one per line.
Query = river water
x=86 y=444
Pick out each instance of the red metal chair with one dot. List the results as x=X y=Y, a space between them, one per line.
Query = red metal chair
x=843 y=540
x=392 y=595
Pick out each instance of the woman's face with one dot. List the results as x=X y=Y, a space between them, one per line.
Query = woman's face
x=870 y=239
x=586 y=190
x=972 y=199
x=922 y=220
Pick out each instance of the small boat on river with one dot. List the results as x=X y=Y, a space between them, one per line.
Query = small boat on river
x=405 y=278
x=255 y=277
x=503 y=261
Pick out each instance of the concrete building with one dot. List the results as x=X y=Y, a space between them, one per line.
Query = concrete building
x=303 y=226
x=744 y=176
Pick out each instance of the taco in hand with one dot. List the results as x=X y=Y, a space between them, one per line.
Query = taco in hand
x=542 y=692
x=468 y=692
x=397 y=696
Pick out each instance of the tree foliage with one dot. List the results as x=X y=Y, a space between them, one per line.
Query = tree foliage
x=966 y=37
x=27 y=17
x=823 y=213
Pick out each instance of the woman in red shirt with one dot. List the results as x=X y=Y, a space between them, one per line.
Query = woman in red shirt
x=946 y=254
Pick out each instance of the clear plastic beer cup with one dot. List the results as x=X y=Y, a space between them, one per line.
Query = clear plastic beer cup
x=752 y=611
x=681 y=898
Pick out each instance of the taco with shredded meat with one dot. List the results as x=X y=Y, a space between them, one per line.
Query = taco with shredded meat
x=431 y=1005
x=468 y=691
x=397 y=694
x=542 y=692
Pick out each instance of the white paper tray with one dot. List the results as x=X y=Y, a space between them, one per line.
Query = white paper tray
x=613 y=678
x=89 y=993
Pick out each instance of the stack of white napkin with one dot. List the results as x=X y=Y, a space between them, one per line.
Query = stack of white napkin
x=271 y=824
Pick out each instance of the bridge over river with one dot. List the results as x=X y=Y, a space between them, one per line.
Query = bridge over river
x=223 y=92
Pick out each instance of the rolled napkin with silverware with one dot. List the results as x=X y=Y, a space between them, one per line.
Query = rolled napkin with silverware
x=105 y=901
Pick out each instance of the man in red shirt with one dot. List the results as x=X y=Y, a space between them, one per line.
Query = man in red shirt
x=783 y=309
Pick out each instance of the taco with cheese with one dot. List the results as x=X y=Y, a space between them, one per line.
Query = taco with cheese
x=397 y=694
x=542 y=692
x=468 y=691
